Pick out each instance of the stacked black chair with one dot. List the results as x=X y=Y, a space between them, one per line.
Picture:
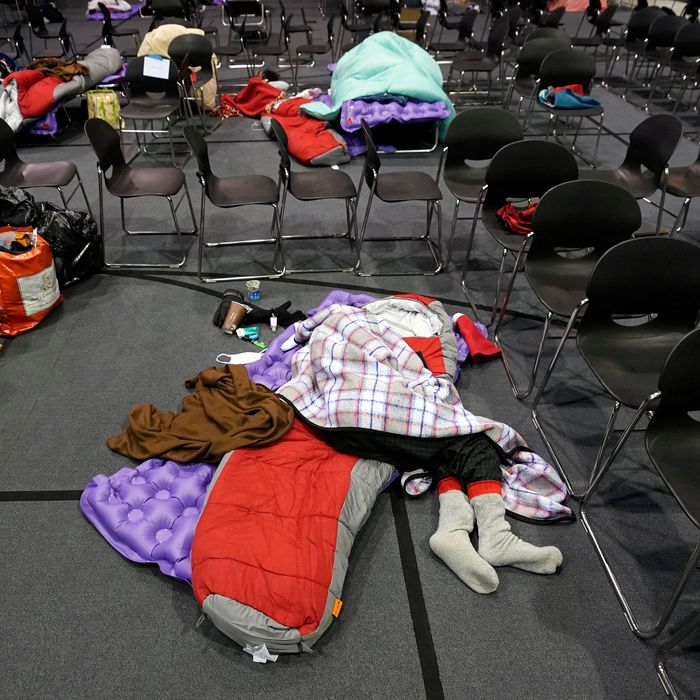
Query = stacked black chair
x=584 y=218
x=655 y=280
x=190 y=52
x=398 y=187
x=125 y=182
x=314 y=186
x=54 y=174
x=229 y=193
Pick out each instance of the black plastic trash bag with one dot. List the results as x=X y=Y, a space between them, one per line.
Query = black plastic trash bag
x=72 y=235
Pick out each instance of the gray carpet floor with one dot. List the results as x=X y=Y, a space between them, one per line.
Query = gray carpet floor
x=78 y=620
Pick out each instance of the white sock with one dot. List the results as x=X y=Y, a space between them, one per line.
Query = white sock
x=451 y=543
x=500 y=547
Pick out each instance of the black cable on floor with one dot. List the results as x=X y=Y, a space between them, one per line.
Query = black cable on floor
x=430 y=669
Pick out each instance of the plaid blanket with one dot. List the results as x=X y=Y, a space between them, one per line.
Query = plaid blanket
x=354 y=371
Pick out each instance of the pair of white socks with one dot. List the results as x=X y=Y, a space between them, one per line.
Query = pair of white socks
x=498 y=546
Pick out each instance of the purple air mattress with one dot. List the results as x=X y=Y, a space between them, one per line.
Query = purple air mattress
x=148 y=513
x=116 y=14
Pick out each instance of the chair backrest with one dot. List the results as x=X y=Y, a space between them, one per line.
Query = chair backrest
x=479 y=133
x=593 y=10
x=196 y=142
x=191 y=51
x=653 y=142
x=553 y=18
x=584 y=214
x=107 y=27
x=604 y=20
x=679 y=381
x=372 y=163
x=252 y=9
x=8 y=151
x=36 y=19
x=495 y=42
x=663 y=31
x=513 y=15
x=526 y=169
x=169 y=8
x=648 y=275
x=547 y=33
x=330 y=24
x=466 y=24
x=140 y=84
x=282 y=143
x=534 y=52
x=105 y=142
x=568 y=67
x=687 y=43
x=640 y=21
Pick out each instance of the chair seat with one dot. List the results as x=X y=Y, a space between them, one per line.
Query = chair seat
x=587 y=41
x=268 y=50
x=56 y=174
x=321 y=184
x=150 y=108
x=239 y=191
x=627 y=360
x=560 y=282
x=406 y=186
x=451 y=22
x=299 y=28
x=463 y=181
x=229 y=50
x=448 y=46
x=144 y=182
x=685 y=181
x=669 y=442
x=469 y=55
x=485 y=63
x=637 y=185
x=581 y=112
x=494 y=225
x=312 y=48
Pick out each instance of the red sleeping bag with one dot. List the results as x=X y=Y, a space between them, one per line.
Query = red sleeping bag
x=270 y=550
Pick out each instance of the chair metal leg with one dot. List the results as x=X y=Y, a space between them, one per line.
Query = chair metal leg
x=470 y=242
x=662 y=201
x=691 y=564
x=453 y=228
x=683 y=213
x=538 y=395
x=662 y=652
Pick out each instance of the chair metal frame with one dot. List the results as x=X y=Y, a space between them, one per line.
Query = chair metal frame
x=652 y=401
x=663 y=651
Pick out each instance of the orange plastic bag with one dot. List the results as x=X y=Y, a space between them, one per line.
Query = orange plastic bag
x=28 y=285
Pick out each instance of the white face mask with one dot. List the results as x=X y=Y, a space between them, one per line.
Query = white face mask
x=241 y=358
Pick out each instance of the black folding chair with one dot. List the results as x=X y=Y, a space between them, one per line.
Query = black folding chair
x=314 y=186
x=230 y=193
x=126 y=182
x=395 y=187
x=684 y=181
x=672 y=443
x=523 y=170
x=641 y=299
x=109 y=31
x=151 y=99
x=572 y=227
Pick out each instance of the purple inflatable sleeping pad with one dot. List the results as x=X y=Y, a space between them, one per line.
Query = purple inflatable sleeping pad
x=148 y=513
x=116 y=14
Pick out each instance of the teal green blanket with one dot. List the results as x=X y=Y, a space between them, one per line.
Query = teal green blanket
x=384 y=63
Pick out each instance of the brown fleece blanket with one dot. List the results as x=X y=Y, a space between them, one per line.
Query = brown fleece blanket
x=225 y=411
